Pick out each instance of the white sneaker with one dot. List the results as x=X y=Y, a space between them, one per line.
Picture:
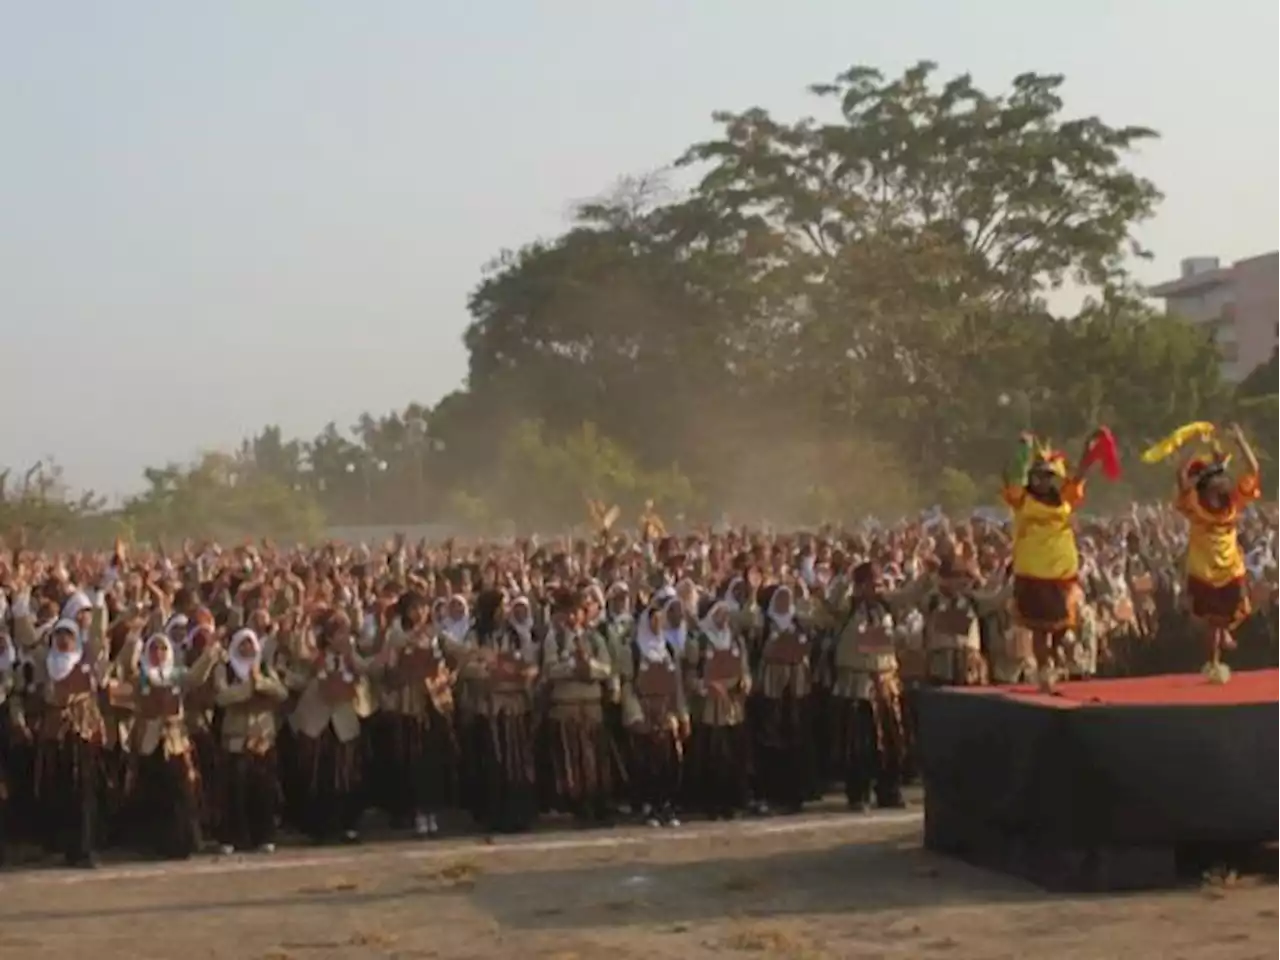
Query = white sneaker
x=226 y=850
x=433 y=828
x=673 y=821
x=653 y=822
x=421 y=825
x=351 y=836
x=267 y=848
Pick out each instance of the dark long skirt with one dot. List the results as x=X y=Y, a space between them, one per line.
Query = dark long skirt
x=1045 y=606
x=251 y=797
x=68 y=791
x=425 y=757
x=17 y=801
x=910 y=735
x=821 y=710
x=502 y=748
x=166 y=794
x=208 y=758
x=329 y=772
x=1222 y=607
x=871 y=748
x=470 y=778
x=383 y=777
x=656 y=765
x=5 y=778
x=716 y=769
x=620 y=746
x=292 y=783
x=784 y=755
x=578 y=760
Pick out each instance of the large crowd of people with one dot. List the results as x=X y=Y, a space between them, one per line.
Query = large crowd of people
x=158 y=700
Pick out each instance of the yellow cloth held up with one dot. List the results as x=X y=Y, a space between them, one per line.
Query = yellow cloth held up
x=1201 y=430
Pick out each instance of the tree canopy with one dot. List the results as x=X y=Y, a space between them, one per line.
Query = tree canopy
x=811 y=318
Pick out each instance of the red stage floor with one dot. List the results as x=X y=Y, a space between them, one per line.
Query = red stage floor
x=1189 y=689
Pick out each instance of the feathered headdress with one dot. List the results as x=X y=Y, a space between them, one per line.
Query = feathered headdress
x=1045 y=458
x=1036 y=455
x=1214 y=460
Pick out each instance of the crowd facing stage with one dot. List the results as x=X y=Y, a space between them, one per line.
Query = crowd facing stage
x=164 y=702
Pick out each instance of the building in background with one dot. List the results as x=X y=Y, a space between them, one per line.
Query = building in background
x=1239 y=302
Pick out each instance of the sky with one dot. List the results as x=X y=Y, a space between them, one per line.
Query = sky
x=219 y=215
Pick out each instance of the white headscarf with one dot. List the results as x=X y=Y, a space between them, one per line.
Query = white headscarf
x=594 y=591
x=730 y=598
x=721 y=637
x=653 y=644
x=456 y=630
x=783 y=621
x=523 y=630
x=59 y=663
x=242 y=666
x=619 y=589
x=163 y=674
x=177 y=629
x=77 y=603
x=675 y=636
x=688 y=593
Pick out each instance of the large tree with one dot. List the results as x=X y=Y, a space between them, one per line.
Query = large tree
x=882 y=269
x=833 y=315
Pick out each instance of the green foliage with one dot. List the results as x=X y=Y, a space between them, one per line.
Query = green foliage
x=220 y=497
x=471 y=511
x=840 y=315
x=40 y=507
x=545 y=480
x=957 y=493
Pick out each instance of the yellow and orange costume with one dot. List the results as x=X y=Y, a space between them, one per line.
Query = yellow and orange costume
x=1217 y=587
x=1046 y=564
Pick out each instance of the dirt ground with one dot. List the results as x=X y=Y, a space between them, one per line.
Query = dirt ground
x=826 y=887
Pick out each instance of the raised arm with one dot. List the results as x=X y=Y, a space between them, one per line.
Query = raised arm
x=1246 y=452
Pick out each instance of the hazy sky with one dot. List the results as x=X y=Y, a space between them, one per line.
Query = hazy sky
x=219 y=214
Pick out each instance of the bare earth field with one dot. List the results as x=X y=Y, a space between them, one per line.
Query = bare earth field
x=822 y=887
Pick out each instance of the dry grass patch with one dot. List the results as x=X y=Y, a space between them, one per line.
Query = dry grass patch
x=460 y=875
x=774 y=942
x=371 y=938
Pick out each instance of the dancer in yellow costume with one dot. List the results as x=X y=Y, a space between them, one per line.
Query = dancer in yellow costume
x=1042 y=494
x=1217 y=590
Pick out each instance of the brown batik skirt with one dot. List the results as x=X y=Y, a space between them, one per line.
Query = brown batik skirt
x=579 y=757
x=1224 y=607
x=1045 y=606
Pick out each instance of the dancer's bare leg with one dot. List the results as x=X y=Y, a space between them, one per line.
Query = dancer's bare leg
x=1225 y=640
x=1043 y=647
x=1217 y=639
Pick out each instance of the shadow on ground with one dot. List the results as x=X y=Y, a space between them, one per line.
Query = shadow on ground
x=845 y=879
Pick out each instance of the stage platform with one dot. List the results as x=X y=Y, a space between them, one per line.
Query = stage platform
x=1103 y=784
